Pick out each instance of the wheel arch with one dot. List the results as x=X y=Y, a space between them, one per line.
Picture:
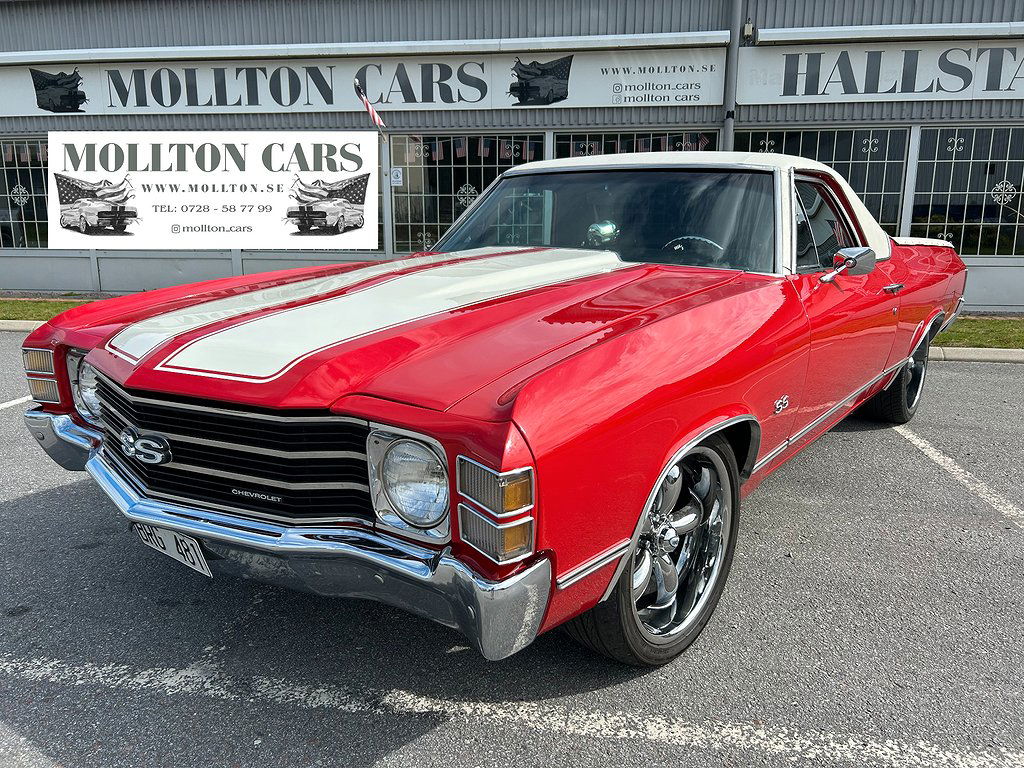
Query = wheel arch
x=741 y=430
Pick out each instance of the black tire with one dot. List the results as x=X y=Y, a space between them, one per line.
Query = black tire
x=897 y=403
x=613 y=628
x=304 y=227
x=120 y=228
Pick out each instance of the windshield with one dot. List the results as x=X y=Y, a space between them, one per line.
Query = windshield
x=707 y=218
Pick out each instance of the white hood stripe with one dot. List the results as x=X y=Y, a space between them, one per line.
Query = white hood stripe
x=138 y=340
x=266 y=346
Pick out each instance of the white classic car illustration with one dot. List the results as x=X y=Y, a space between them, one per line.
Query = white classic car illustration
x=88 y=214
x=335 y=215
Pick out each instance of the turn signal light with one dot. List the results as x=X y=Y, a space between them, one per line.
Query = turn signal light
x=38 y=361
x=44 y=390
x=501 y=493
x=500 y=542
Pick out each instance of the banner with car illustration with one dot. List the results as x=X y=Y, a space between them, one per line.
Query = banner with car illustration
x=209 y=190
x=519 y=79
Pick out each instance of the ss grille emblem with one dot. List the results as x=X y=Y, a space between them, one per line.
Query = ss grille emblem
x=149 y=449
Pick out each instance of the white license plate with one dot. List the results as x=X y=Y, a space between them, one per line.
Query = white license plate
x=182 y=548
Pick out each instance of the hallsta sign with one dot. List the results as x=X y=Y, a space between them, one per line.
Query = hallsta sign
x=909 y=71
x=586 y=79
x=187 y=190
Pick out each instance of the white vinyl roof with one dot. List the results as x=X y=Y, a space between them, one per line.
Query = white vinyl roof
x=768 y=161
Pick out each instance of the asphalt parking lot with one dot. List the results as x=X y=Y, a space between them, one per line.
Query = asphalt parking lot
x=874 y=616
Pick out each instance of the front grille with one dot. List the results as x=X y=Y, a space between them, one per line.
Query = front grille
x=295 y=466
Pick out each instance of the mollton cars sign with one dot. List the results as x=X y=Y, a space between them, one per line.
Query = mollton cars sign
x=527 y=80
x=185 y=190
x=912 y=71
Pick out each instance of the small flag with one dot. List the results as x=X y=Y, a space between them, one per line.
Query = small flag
x=374 y=117
x=702 y=142
x=460 y=147
x=484 y=147
x=8 y=153
x=437 y=150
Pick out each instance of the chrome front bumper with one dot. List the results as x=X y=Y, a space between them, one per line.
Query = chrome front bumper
x=69 y=444
x=498 y=617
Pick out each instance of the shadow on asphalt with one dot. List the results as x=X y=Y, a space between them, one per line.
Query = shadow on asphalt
x=82 y=568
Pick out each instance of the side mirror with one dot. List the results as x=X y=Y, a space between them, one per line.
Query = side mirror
x=853 y=261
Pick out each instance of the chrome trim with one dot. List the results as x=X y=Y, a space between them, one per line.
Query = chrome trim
x=956 y=313
x=512 y=523
x=769 y=456
x=257 y=480
x=498 y=617
x=384 y=513
x=686 y=448
x=243 y=448
x=499 y=475
x=53 y=361
x=65 y=441
x=825 y=416
x=592 y=565
x=51 y=380
x=242 y=515
x=227 y=411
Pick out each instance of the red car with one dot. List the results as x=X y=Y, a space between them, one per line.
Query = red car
x=549 y=420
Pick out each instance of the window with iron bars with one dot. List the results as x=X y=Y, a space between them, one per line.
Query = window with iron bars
x=969 y=183
x=440 y=176
x=873 y=160
x=23 y=164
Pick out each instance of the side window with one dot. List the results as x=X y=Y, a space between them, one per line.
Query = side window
x=820 y=230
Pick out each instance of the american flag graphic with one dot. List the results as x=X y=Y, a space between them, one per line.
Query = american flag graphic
x=71 y=190
x=353 y=190
x=484 y=147
x=460 y=147
x=374 y=117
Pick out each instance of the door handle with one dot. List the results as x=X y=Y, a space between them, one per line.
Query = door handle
x=893 y=288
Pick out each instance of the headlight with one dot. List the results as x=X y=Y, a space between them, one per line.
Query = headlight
x=415 y=481
x=83 y=386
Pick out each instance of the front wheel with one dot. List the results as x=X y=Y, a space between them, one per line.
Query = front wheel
x=897 y=403
x=677 y=569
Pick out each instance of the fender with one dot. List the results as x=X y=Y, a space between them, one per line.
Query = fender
x=713 y=426
x=593 y=580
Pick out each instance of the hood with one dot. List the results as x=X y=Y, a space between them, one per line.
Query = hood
x=427 y=330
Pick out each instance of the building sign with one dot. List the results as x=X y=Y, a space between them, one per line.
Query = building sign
x=209 y=190
x=486 y=81
x=874 y=71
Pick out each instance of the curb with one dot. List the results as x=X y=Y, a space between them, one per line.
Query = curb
x=976 y=355
x=950 y=354
x=23 y=326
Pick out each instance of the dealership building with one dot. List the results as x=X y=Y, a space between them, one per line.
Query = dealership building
x=919 y=105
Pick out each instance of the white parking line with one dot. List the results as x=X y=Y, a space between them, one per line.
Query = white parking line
x=12 y=403
x=1001 y=505
x=809 y=747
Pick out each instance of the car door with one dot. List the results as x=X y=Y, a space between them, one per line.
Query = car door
x=852 y=319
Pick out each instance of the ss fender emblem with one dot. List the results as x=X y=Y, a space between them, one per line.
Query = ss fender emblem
x=149 y=449
x=782 y=404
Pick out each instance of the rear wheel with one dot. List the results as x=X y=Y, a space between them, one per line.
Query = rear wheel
x=897 y=403
x=83 y=225
x=677 y=569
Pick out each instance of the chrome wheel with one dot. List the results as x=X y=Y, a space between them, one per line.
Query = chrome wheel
x=917 y=369
x=679 y=554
